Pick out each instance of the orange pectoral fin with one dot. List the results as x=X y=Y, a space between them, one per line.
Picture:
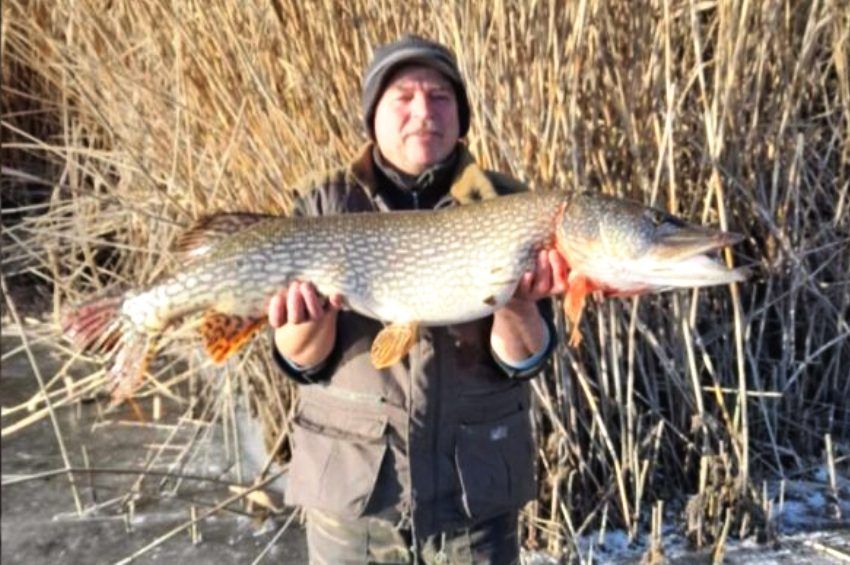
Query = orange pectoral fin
x=392 y=343
x=574 y=303
x=225 y=334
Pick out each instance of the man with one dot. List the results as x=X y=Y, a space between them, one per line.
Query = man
x=432 y=458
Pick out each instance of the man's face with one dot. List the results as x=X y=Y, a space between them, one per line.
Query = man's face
x=416 y=119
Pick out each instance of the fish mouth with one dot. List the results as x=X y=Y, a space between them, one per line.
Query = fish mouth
x=628 y=249
x=678 y=257
x=696 y=271
x=683 y=241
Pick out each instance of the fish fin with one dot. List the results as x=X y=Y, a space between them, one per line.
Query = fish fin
x=392 y=343
x=226 y=334
x=210 y=230
x=138 y=411
x=127 y=372
x=574 y=303
x=95 y=326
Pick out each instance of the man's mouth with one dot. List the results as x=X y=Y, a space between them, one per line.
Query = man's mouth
x=425 y=134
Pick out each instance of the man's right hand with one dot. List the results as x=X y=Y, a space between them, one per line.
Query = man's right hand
x=300 y=303
x=304 y=322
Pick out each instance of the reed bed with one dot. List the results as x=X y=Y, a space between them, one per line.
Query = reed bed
x=124 y=121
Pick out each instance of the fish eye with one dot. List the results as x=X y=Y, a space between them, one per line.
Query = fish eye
x=661 y=219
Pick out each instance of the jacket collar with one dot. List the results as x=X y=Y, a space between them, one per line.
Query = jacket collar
x=469 y=182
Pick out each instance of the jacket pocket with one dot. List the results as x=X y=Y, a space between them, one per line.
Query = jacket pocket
x=336 y=457
x=495 y=463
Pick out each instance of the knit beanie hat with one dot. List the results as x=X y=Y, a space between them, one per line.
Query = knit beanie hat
x=409 y=50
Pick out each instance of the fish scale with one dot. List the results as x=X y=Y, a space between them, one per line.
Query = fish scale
x=431 y=267
x=409 y=268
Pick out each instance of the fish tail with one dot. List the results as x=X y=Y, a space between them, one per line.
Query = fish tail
x=95 y=326
x=99 y=327
x=130 y=363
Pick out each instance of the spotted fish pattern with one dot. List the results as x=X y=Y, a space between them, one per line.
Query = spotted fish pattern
x=407 y=268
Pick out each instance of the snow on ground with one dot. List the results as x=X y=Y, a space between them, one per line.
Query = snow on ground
x=808 y=531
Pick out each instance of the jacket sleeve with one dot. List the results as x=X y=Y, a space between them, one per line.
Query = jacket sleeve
x=305 y=375
x=524 y=373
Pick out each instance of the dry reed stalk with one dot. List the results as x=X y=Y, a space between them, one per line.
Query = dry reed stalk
x=125 y=122
x=833 y=552
x=8 y=430
x=10 y=304
x=196 y=519
x=116 y=471
x=282 y=530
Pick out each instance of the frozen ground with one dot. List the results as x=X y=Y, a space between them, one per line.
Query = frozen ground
x=809 y=531
x=815 y=548
x=40 y=523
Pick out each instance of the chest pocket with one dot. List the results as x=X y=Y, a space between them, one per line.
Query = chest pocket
x=495 y=464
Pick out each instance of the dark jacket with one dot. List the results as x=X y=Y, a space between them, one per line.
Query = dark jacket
x=444 y=437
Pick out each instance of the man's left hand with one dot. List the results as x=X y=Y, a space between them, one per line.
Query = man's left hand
x=518 y=330
x=548 y=278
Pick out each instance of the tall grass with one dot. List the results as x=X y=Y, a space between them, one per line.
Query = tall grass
x=123 y=121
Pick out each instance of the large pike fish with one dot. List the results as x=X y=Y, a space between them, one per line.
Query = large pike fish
x=404 y=268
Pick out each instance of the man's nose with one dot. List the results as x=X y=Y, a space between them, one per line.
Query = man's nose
x=421 y=105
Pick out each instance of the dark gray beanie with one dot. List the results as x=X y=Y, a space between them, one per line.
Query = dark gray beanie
x=409 y=50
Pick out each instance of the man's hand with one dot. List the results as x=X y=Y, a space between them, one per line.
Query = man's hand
x=305 y=323
x=518 y=330
x=300 y=303
x=548 y=278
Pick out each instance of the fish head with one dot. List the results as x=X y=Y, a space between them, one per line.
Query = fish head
x=625 y=248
